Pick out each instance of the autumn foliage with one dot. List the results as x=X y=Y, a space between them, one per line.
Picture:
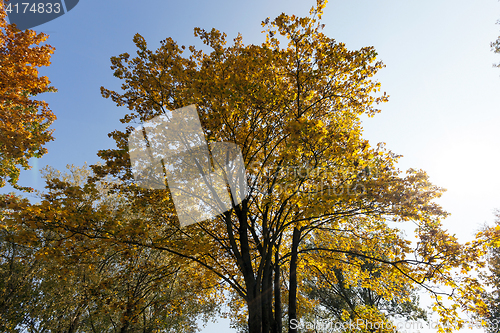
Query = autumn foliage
x=24 y=120
x=320 y=215
x=320 y=196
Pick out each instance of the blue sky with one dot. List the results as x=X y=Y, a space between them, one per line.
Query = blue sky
x=442 y=116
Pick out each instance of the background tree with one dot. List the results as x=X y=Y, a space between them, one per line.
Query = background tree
x=17 y=278
x=73 y=283
x=24 y=121
x=495 y=46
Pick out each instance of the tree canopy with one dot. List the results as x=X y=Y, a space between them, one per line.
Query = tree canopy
x=319 y=194
x=24 y=125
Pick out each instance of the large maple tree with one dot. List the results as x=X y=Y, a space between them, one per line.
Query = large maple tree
x=319 y=194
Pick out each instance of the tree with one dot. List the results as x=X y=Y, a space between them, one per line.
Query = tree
x=24 y=125
x=495 y=46
x=72 y=283
x=319 y=194
x=17 y=280
x=492 y=276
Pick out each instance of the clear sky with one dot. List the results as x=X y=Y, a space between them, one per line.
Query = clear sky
x=442 y=116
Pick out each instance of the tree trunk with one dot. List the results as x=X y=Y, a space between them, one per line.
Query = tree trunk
x=292 y=298
x=254 y=299
x=73 y=326
x=254 y=310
